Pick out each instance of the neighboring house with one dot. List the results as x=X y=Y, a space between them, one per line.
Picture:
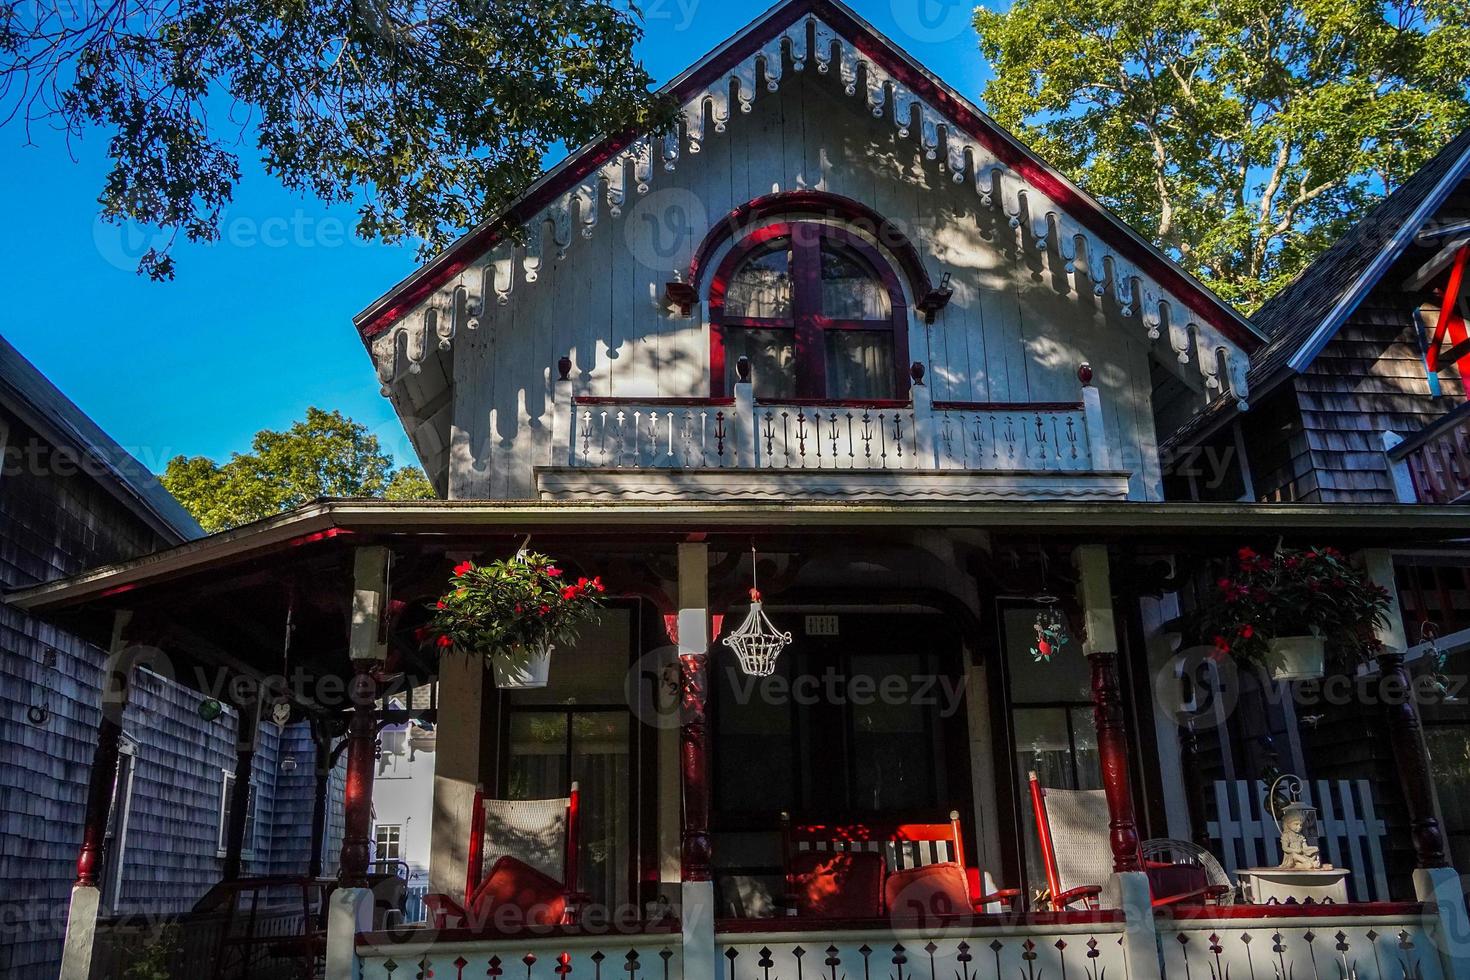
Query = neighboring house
x=72 y=499
x=839 y=340
x=1360 y=398
x=403 y=792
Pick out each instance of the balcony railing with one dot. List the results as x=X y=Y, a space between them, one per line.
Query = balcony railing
x=1432 y=466
x=794 y=434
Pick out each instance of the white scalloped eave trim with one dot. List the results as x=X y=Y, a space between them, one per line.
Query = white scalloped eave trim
x=460 y=304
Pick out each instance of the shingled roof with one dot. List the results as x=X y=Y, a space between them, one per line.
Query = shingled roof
x=1301 y=318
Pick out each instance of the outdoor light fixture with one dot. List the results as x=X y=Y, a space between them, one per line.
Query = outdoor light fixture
x=936 y=299
x=757 y=643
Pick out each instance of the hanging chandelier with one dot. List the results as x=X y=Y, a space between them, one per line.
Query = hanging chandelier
x=757 y=643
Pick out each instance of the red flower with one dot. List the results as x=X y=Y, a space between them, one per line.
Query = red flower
x=463 y=567
x=1246 y=554
x=570 y=592
x=553 y=571
x=439 y=604
x=597 y=584
x=1222 y=647
x=421 y=634
x=582 y=582
x=543 y=610
x=518 y=608
x=1247 y=631
x=444 y=641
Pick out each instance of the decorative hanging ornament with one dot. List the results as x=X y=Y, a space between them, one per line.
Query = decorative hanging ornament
x=757 y=643
x=1051 y=630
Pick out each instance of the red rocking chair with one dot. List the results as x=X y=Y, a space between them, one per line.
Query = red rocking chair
x=871 y=869
x=1072 y=829
x=531 y=849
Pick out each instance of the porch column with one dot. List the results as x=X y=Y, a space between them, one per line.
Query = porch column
x=322 y=764
x=1100 y=645
x=350 y=909
x=81 y=921
x=1435 y=882
x=240 y=791
x=697 y=892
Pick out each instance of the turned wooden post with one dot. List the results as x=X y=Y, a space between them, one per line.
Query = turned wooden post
x=367 y=648
x=239 y=802
x=693 y=733
x=323 y=767
x=104 y=758
x=1100 y=643
x=1406 y=737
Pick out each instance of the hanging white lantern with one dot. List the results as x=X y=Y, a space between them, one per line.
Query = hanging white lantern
x=757 y=642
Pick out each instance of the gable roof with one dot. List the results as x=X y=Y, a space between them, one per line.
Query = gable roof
x=1303 y=316
x=41 y=406
x=913 y=88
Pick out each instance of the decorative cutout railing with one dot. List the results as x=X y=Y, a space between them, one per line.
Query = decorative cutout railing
x=1433 y=465
x=615 y=956
x=795 y=434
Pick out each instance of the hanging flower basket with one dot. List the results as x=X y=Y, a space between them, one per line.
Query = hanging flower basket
x=1295 y=613
x=513 y=612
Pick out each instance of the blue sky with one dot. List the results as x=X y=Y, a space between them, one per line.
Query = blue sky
x=256 y=327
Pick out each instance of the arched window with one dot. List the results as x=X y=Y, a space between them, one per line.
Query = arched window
x=816 y=309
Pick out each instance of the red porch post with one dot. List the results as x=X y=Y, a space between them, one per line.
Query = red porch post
x=1100 y=644
x=1406 y=737
x=367 y=649
x=693 y=629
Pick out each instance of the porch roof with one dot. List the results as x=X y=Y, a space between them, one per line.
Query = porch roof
x=455 y=525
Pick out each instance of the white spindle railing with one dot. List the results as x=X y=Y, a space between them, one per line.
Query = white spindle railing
x=915 y=434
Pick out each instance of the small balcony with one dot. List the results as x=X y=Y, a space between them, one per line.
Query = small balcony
x=1432 y=466
x=747 y=447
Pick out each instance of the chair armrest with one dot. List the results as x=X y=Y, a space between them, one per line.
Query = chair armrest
x=1210 y=892
x=1089 y=893
x=442 y=909
x=1003 y=896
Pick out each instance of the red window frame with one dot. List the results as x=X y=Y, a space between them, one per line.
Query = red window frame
x=807 y=320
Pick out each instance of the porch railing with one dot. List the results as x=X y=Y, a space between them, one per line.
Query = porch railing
x=1432 y=466
x=448 y=955
x=794 y=434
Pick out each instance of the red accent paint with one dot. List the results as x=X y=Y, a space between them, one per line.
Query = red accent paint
x=822 y=204
x=357 y=805
x=1451 y=324
x=1112 y=750
x=694 y=767
x=99 y=795
x=717 y=623
x=569 y=862
x=1092 y=215
x=316 y=536
x=671 y=402
x=835 y=402
x=117 y=590
x=1043 y=834
x=1008 y=406
x=807 y=319
x=671 y=627
x=475 y=865
x=822 y=926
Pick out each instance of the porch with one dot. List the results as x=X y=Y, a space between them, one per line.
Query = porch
x=692 y=776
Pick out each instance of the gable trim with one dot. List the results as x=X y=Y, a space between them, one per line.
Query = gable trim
x=954 y=109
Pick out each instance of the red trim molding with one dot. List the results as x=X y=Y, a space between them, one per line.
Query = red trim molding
x=1092 y=215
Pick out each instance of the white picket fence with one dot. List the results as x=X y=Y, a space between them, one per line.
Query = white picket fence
x=1352 y=832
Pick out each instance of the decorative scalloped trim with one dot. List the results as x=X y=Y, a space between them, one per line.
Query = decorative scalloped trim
x=402 y=348
x=819 y=485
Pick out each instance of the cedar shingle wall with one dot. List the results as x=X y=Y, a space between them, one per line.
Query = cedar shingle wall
x=54 y=523
x=1369 y=379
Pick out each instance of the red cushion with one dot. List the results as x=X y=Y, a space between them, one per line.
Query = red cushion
x=838 y=884
x=516 y=894
x=932 y=890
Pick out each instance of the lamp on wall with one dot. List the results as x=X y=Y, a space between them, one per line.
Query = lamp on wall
x=936 y=299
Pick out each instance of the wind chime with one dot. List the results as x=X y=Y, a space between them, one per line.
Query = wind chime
x=1050 y=625
x=757 y=643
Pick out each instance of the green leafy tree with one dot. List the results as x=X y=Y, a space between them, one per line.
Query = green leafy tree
x=1243 y=135
x=324 y=455
x=432 y=113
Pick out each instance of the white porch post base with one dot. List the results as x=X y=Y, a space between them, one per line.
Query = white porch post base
x=1140 y=937
x=81 y=933
x=1442 y=889
x=349 y=911
x=697 y=920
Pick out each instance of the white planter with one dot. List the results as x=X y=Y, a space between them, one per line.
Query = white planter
x=522 y=668
x=1297 y=658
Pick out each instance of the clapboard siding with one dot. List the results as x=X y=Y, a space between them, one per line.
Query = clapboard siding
x=1015 y=330
x=53 y=522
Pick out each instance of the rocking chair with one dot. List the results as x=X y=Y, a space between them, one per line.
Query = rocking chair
x=1072 y=828
x=522 y=858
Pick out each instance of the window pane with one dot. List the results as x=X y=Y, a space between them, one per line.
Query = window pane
x=1066 y=677
x=753 y=721
x=859 y=364
x=538 y=755
x=893 y=746
x=850 y=290
x=589 y=670
x=600 y=768
x=762 y=285
x=1084 y=749
x=1041 y=747
x=772 y=354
